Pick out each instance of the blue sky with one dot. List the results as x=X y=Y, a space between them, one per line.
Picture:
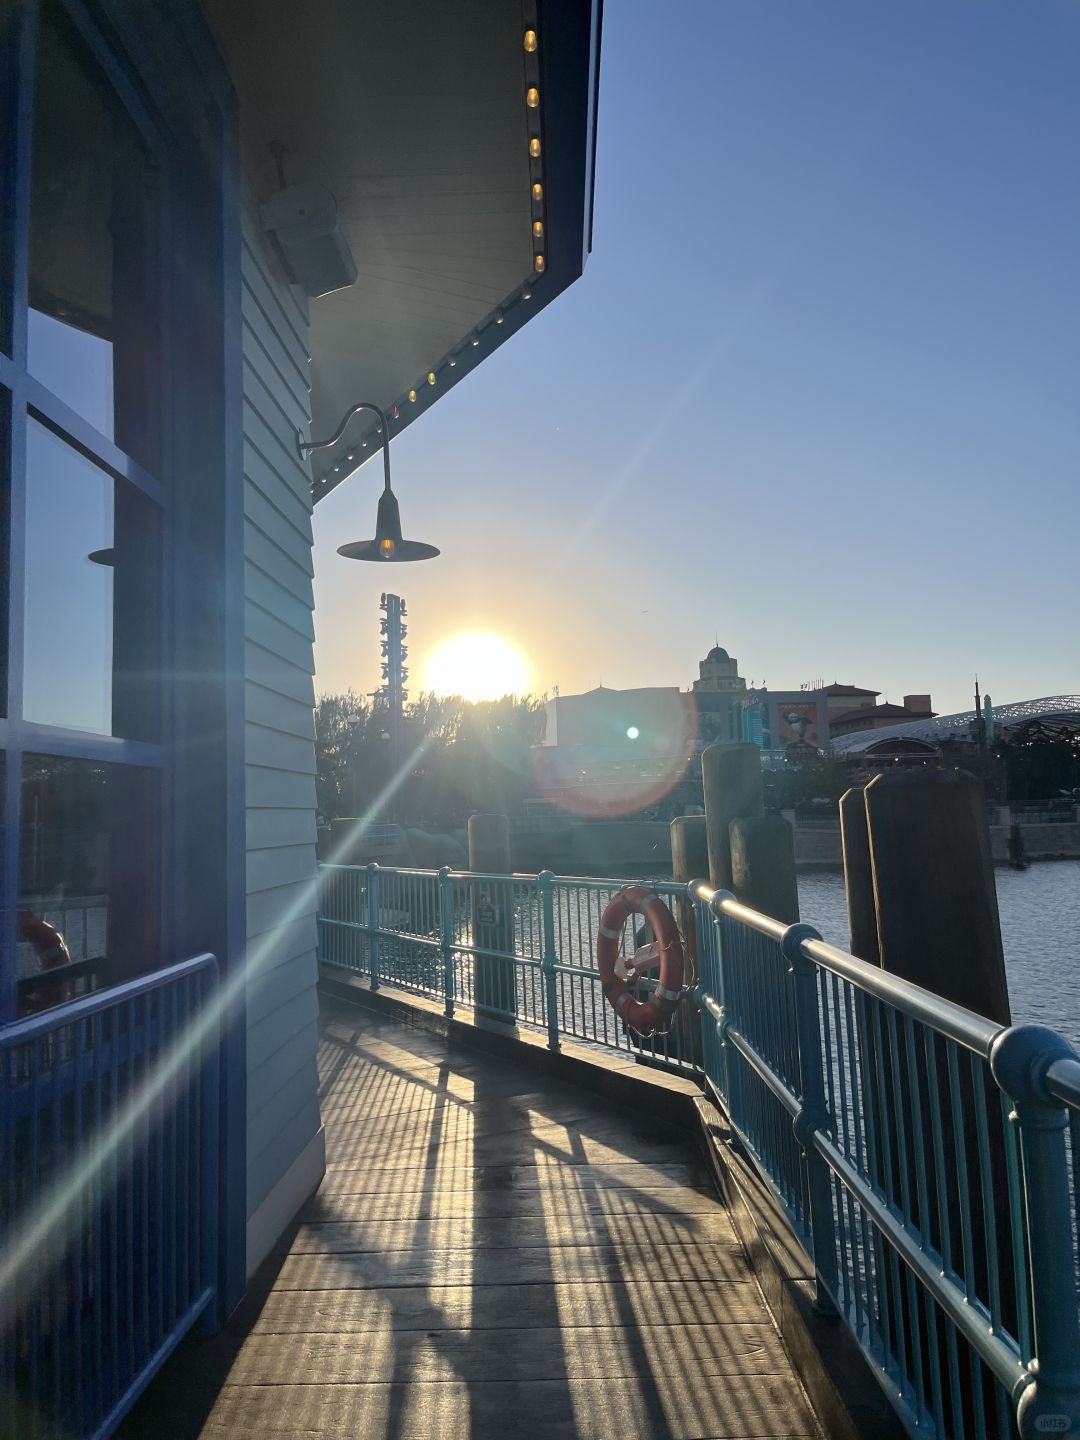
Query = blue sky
x=818 y=392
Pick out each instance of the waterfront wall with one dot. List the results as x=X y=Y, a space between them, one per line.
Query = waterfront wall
x=820 y=848
x=614 y=847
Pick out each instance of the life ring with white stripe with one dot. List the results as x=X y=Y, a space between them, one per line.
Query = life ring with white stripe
x=51 y=950
x=644 y=1016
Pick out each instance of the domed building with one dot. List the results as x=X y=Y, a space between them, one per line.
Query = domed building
x=718 y=693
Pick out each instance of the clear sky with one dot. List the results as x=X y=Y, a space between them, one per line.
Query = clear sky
x=817 y=394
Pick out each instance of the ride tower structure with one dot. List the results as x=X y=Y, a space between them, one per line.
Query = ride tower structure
x=389 y=700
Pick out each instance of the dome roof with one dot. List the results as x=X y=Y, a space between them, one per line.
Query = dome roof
x=718 y=653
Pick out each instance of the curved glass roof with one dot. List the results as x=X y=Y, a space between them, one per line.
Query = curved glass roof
x=942 y=726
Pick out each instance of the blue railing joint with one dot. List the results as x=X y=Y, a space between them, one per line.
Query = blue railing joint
x=810 y=1121
x=1019 y=1059
x=795 y=936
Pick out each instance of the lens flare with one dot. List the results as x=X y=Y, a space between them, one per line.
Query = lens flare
x=617 y=753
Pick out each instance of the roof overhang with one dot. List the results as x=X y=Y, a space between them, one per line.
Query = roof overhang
x=416 y=119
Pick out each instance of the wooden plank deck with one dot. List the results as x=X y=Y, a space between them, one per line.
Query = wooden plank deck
x=476 y=1264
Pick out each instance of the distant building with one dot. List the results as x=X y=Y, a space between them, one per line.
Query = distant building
x=610 y=752
x=719 y=692
x=843 y=700
x=785 y=723
x=877 y=717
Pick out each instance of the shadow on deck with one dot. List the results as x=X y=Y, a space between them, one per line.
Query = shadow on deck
x=477 y=1262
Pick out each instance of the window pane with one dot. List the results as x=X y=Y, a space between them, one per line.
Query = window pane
x=9 y=40
x=92 y=627
x=90 y=333
x=88 y=877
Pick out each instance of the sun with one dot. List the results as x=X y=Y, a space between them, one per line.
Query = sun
x=477 y=666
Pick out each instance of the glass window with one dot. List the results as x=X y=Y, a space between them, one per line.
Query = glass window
x=88 y=878
x=91 y=326
x=8 y=94
x=92 y=633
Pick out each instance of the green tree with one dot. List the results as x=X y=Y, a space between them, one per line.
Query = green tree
x=340 y=725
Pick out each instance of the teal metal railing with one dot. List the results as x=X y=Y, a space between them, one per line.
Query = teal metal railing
x=926 y=1158
x=108 y=1197
x=519 y=948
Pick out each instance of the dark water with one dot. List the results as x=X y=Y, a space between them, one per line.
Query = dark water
x=1040 y=931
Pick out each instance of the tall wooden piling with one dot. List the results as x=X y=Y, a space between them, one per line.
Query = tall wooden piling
x=858 y=876
x=763 y=866
x=731 y=778
x=933 y=877
x=689 y=848
x=491 y=909
x=937 y=925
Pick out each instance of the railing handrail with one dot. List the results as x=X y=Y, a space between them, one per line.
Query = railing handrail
x=1062 y=1081
x=20 y=1032
x=967 y=1027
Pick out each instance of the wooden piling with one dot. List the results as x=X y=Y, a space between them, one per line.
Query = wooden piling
x=731 y=778
x=858 y=876
x=491 y=908
x=933 y=879
x=763 y=866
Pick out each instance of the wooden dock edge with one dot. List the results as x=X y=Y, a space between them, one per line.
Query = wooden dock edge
x=846 y=1396
x=843 y=1391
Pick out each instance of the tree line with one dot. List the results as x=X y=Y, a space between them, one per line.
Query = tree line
x=446 y=758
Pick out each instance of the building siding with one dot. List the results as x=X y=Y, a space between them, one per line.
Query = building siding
x=282 y=1089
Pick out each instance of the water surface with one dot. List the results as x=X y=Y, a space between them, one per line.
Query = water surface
x=1040 y=932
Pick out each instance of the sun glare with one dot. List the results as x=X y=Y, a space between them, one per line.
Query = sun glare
x=477 y=666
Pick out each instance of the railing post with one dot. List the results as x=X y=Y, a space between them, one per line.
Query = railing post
x=814 y=1113
x=210 y=1082
x=446 y=925
x=373 y=923
x=1049 y=1404
x=723 y=1001
x=546 y=885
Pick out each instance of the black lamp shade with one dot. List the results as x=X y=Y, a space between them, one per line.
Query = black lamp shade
x=388 y=547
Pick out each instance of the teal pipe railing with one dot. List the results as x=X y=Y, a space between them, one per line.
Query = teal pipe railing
x=926 y=1159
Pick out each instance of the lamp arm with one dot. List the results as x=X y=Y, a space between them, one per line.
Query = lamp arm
x=304 y=447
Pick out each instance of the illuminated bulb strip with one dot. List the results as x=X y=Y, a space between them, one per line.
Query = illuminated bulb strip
x=530 y=42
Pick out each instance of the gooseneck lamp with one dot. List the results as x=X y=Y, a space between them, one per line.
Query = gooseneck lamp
x=389 y=544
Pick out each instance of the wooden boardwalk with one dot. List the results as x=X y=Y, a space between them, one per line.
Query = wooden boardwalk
x=475 y=1264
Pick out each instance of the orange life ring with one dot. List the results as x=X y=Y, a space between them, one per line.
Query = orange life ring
x=655 y=1013
x=51 y=950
